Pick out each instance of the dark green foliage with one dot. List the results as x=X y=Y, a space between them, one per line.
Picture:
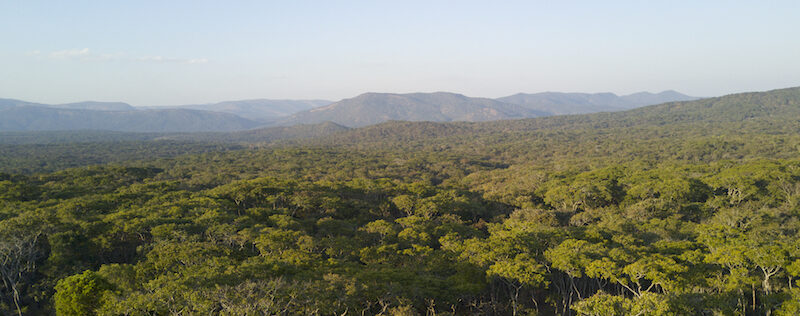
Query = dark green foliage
x=51 y=157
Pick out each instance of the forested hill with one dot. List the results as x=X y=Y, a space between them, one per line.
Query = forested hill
x=774 y=104
x=781 y=107
x=702 y=130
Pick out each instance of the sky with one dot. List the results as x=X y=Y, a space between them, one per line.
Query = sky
x=182 y=52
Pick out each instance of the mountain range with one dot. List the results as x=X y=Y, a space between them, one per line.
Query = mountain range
x=362 y=110
x=559 y=103
x=699 y=126
x=38 y=118
x=373 y=108
x=773 y=112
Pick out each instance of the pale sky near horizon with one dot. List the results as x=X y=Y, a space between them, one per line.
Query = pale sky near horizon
x=182 y=51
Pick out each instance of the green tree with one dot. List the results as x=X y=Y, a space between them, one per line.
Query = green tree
x=80 y=294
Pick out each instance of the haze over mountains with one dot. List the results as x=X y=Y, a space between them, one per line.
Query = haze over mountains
x=558 y=103
x=775 y=112
x=37 y=118
x=362 y=110
x=85 y=105
x=260 y=110
x=772 y=112
x=16 y=115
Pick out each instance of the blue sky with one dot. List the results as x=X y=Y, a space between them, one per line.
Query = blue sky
x=178 y=52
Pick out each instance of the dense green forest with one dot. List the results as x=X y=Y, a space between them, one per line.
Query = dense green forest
x=687 y=208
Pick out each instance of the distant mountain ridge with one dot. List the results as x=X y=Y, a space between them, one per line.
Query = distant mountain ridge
x=97 y=106
x=6 y=103
x=772 y=112
x=40 y=118
x=775 y=111
x=559 y=103
x=373 y=108
x=85 y=105
x=365 y=109
x=261 y=110
x=18 y=115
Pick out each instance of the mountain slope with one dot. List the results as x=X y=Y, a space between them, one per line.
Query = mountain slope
x=558 y=103
x=85 y=105
x=262 y=110
x=780 y=104
x=758 y=113
x=373 y=108
x=31 y=118
x=646 y=98
x=6 y=103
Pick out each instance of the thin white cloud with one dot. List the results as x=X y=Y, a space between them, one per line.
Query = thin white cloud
x=70 y=53
x=109 y=57
x=162 y=59
x=197 y=61
x=85 y=54
x=155 y=59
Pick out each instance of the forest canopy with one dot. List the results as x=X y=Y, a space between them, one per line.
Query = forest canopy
x=687 y=208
